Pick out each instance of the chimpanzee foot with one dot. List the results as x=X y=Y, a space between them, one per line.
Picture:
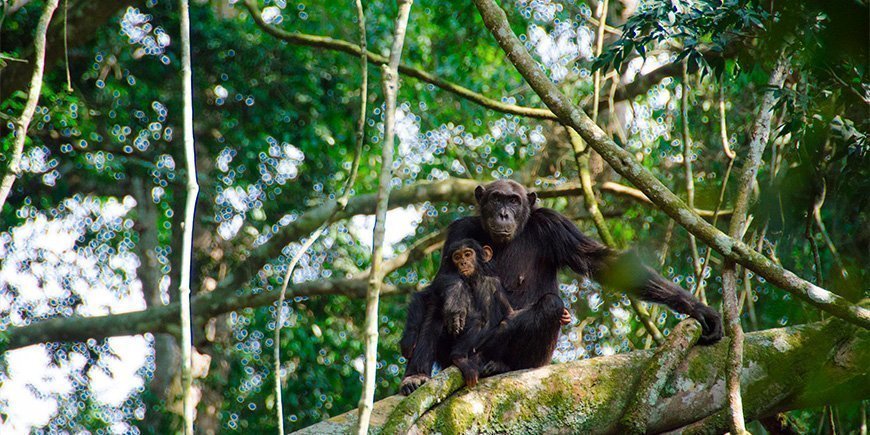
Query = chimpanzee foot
x=492 y=368
x=711 y=324
x=411 y=383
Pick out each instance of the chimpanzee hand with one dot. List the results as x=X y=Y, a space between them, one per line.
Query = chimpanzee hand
x=455 y=321
x=411 y=383
x=471 y=376
x=492 y=368
x=711 y=324
x=566 y=317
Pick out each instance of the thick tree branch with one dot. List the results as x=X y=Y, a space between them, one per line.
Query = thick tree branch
x=665 y=361
x=625 y=164
x=787 y=368
x=165 y=318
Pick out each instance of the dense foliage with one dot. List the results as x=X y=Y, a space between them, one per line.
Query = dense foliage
x=93 y=225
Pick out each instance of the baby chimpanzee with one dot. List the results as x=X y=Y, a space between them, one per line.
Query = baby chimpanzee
x=474 y=308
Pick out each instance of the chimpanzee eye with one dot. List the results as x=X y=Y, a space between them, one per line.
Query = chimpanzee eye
x=515 y=200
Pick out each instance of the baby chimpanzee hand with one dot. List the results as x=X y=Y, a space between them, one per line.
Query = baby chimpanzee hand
x=455 y=322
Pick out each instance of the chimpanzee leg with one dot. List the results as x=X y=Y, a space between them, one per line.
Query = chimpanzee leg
x=628 y=273
x=530 y=334
x=424 y=353
x=462 y=351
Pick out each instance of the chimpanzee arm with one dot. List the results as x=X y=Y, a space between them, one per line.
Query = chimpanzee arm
x=625 y=272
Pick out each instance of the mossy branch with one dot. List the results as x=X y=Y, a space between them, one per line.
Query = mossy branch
x=782 y=372
x=661 y=368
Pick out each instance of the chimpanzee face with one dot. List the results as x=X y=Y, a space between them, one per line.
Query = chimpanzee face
x=465 y=260
x=504 y=208
x=468 y=256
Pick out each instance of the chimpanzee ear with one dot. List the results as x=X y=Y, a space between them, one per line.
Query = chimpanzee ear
x=478 y=193
x=533 y=197
x=487 y=253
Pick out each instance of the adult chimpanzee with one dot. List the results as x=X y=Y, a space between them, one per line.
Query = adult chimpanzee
x=530 y=245
x=474 y=307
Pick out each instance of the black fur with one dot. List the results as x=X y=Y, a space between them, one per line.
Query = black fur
x=526 y=261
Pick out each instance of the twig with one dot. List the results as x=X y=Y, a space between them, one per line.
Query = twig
x=599 y=45
x=189 y=211
x=690 y=181
x=66 y=46
x=723 y=128
x=32 y=99
x=391 y=85
x=347 y=47
x=817 y=216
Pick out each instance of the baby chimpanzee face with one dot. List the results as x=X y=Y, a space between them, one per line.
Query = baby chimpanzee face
x=465 y=260
x=468 y=256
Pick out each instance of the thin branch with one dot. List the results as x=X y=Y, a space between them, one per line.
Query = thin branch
x=626 y=165
x=189 y=211
x=690 y=180
x=758 y=142
x=723 y=129
x=599 y=45
x=581 y=156
x=817 y=217
x=391 y=87
x=23 y=121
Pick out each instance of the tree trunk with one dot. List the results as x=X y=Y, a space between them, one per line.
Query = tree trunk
x=784 y=369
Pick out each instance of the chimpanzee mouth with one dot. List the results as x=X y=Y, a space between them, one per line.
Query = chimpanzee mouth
x=502 y=236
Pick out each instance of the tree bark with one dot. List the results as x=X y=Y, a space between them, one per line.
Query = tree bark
x=786 y=368
x=189 y=212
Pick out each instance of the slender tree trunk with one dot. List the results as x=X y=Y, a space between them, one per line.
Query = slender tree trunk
x=23 y=121
x=189 y=212
x=391 y=86
x=758 y=142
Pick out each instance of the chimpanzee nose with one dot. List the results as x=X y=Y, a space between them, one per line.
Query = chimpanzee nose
x=503 y=215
